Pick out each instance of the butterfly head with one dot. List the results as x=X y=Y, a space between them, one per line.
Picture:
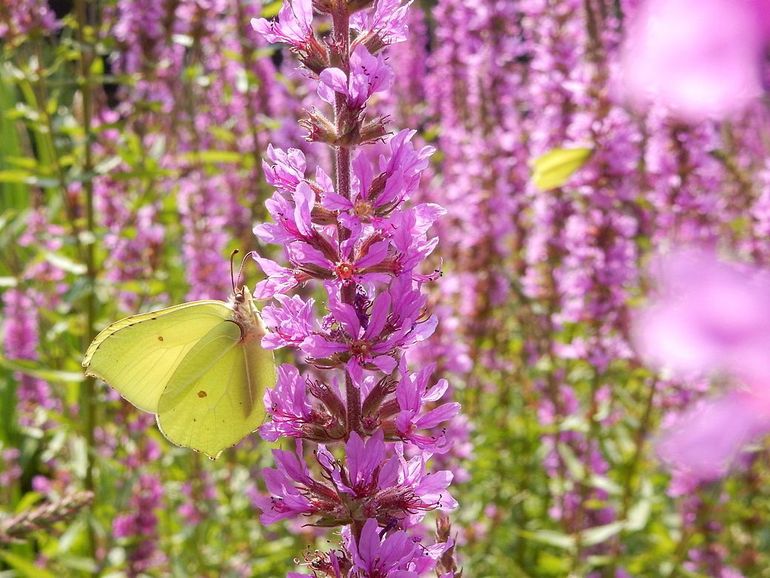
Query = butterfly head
x=245 y=312
x=246 y=315
x=242 y=295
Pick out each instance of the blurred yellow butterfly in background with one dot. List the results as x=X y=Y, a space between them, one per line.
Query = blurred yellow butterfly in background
x=554 y=168
x=198 y=366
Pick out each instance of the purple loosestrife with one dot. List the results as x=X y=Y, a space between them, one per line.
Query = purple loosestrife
x=355 y=240
x=177 y=123
x=20 y=341
x=137 y=524
x=409 y=92
x=375 y=556
x=22 y=17
x=139 y=528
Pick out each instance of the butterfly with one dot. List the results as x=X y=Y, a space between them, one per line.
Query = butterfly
x=198 y=366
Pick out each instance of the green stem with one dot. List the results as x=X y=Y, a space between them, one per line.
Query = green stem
x=34 y=91
x=629 y=486
x=593 y=437
x=88 y=389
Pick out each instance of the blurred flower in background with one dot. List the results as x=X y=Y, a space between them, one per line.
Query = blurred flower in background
x=700 y=57
x=711 y=317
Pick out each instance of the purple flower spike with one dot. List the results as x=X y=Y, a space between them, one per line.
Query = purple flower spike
x=357 y=236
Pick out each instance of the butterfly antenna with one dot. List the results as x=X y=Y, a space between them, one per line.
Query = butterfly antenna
x=243 y=262
x=232 y=279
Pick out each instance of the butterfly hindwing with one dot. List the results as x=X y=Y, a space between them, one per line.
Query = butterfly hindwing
x=214 y=399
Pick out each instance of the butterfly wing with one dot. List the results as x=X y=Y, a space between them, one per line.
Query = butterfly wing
x=556 y=167
x=138 y=355
x=214 y=399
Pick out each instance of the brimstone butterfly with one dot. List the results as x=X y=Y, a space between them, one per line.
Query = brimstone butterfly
x=198 y=366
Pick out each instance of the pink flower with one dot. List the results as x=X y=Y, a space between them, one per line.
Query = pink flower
x=388 y=486
x=387 y=21
x=368 y=74
x=413 y=394
x=367 y=471
x=293 y=27
x=279 y=279
x=289 y=322
x=379 y=557
x=711 y=316
x=700 y=57
x=399 y=177
x=292 y=219
x=704 y=441
x=284 y=169
x=355 y=262
x=370 y=344
x=287 y=405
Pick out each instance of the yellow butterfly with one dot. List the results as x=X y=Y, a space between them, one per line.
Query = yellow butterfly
x=554 y=168
x=198 y=366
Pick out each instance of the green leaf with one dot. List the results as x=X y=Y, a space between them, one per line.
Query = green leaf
x=639 y=513
x=599 y=534
x=13 y=194
x=24 y=566
x=65 y=263
x=28 y=501
x=575 y=467
x=213 y=156
x=553 y=565
x=555 y=167
x=35 y=369
x=550 y=537
x=18 y=176
x=8 y=403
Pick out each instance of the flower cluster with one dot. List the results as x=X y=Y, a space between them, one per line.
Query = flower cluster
x=373 y=555
x=25 y=17
x=356 y=237
x=21 y=336
x=140 y=527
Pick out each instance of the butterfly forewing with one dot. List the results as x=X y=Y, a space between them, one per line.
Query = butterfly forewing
x=199 y=366
x=138 y=355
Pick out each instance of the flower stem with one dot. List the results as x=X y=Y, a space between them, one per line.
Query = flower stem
x=88 y=389
x=341 y=56
x=353 y=398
